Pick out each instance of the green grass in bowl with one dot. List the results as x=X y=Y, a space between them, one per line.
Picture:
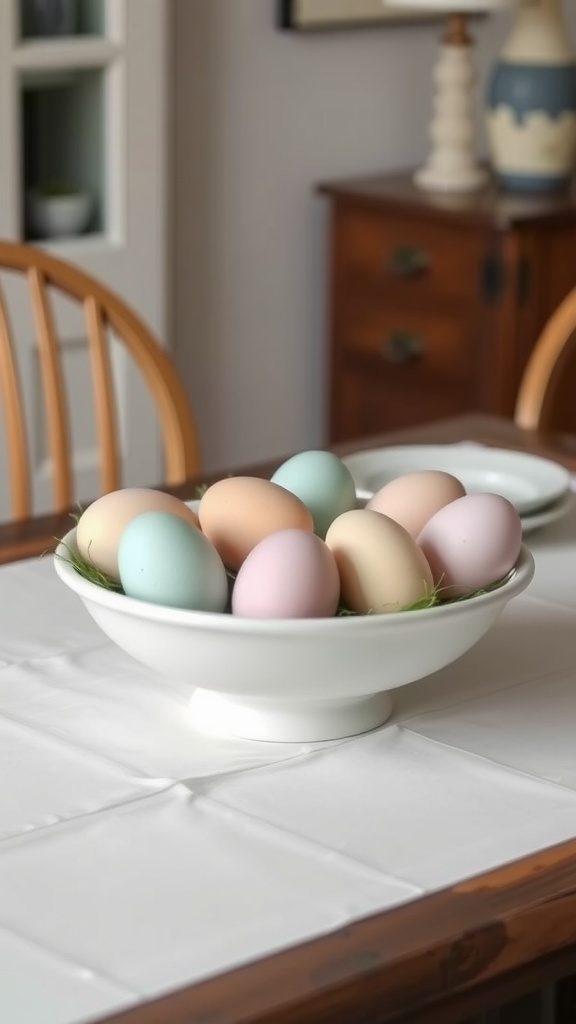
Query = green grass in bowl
x=433 y=599
x=89 y=572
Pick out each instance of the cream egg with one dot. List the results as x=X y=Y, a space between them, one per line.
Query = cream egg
x=236 y=513
x=412 y=499
x=381 y=567
x=471 y=543
x=101 y=524
x=289 y=574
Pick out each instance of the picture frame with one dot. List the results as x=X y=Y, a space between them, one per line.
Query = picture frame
x=315 y=15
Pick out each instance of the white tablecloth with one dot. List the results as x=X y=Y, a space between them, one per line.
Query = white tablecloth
x=137 y=854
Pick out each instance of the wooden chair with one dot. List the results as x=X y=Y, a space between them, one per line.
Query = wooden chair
x=535 y=402
x=103 y=312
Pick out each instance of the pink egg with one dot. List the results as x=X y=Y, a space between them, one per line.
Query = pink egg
x=412 y=499
x=471 y=543
x=290 y=574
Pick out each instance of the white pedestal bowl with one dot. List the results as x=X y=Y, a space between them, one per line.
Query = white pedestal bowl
x=292 y=679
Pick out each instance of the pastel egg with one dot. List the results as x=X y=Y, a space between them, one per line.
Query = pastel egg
x=322 y=481
x=289 y=574
x=381 y=567
x=100 y=526
x=472 y=542
x=166 y=560
x=412 y=499
x=236 y=513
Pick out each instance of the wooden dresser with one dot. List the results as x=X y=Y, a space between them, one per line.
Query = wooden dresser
x=436 y=301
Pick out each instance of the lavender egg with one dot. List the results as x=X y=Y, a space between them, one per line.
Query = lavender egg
x=471 y=543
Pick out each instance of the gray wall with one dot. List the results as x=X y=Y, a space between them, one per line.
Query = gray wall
x=260 y=116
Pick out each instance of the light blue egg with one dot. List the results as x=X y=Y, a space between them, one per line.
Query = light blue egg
x=322 y=481
x=165 y=560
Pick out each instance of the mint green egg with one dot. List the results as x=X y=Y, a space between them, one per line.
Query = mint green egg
x=165 y=560
x=322 y=481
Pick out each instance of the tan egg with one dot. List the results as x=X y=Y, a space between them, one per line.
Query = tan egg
x=102 y=523
x=237 y=513
x=412 y=499
x=381 y=567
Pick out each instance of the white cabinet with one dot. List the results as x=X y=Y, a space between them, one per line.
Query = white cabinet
x=83 y=124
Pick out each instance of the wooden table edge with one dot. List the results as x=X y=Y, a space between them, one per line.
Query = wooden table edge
x=34 y=537
x=442 y=952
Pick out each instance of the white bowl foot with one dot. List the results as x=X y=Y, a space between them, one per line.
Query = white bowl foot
x=287 y=721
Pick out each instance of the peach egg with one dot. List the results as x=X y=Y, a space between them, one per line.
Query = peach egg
x=412 y=499
x=236 y=513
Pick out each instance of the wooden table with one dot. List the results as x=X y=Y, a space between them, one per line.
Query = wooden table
x=435 y=960
x=33 y=537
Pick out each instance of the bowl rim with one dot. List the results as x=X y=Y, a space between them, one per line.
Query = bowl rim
x=517 y=581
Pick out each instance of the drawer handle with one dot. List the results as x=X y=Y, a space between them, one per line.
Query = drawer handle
x=408 y=261
x=403 y=347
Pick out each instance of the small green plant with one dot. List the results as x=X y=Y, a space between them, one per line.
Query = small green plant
x=56 y=189
x=87 y=569
x=433 y=599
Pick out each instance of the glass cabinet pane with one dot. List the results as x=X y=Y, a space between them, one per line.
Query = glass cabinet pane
x=63 y=153
x=41 y=19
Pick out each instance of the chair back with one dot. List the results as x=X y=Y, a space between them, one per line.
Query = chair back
x=105 y=314
x=536 y=398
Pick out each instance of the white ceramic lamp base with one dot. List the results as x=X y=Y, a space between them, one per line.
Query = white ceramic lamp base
x=287 y=721
x=451 y=165
x=429 y=177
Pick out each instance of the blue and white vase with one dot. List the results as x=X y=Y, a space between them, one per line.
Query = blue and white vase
x=531 y=108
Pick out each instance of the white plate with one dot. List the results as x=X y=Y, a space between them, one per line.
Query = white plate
x=548 y=515
x=528 y=481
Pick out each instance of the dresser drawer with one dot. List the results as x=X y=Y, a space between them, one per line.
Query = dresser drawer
x=436 y=300
x=407 y=257
x=368 y=403
x=408 y=344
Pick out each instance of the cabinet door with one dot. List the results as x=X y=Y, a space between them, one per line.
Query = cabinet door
x=83 y=107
